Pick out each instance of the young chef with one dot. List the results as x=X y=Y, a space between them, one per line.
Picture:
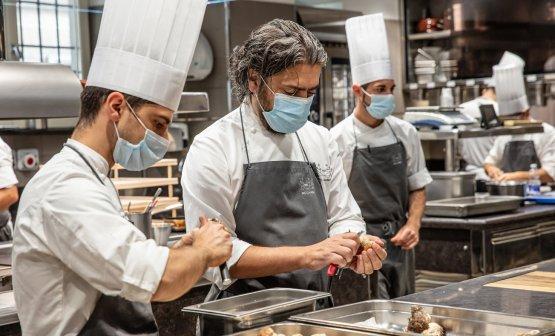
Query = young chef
x=511 y=156
x=475 y=150
x=8 y=191
x=274 y=178
x=79 y=266
x=382 y=156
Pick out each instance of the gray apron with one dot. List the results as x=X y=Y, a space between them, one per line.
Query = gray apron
x=6 y=233
x=379 y=184
x=281 y=203
x=114 y=315
x=518 y=156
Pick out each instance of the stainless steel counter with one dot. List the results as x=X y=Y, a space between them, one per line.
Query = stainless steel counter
x=472 y=294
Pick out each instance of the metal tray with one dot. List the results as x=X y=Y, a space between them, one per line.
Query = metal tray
x=472 y=206
x=291 y=328
x=257 y=305
x=392 y=317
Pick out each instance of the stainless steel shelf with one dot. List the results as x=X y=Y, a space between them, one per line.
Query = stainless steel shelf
x=431 y=135
x=430 y=36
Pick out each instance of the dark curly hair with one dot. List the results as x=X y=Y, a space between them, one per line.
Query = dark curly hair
x=270 y=49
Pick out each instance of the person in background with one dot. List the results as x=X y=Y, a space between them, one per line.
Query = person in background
x=8 y=191
x=273 y=178
x=511 y=157
x=475 y=150
x=382 y=155
x=80 y=267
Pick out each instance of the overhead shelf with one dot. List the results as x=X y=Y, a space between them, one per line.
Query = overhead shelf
x=139 y=203
x=430 y=36
x=161 y=163
x=124 y=183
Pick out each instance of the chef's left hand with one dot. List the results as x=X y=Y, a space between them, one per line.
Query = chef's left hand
x=515 y=176
x=408 y=237
x=370 y=260
x=186 y=240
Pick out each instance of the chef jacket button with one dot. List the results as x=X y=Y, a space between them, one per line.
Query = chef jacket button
x=253 y=130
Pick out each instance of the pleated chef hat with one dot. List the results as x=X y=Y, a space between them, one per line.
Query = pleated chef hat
x=368 y=49
x=509 y=84
x=145 y=47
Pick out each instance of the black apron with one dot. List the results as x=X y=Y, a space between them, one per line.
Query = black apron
x=114 y=315
x=281 y=203
x=379 y=184
x=6 y=233
x=518 y=155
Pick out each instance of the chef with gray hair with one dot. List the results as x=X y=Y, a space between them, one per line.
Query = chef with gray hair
x=273 y=178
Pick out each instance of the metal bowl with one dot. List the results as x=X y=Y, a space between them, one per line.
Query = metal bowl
x=508 y=188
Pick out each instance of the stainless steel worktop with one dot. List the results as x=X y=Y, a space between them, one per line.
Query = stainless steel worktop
x=472 y=294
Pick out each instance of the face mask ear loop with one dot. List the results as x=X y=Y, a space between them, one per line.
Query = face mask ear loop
x=116 y=128
x=366 y=93
x=135 y=115
x=258 y=99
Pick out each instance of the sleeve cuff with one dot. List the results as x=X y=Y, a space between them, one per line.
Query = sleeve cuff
x=347 y=226
x=489 y=160
x=419 y=180
x=213 y=274
x=7 y=177
x=144 y=268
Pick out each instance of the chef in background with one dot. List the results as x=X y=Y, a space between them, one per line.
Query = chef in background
x=80 y=267
x=511 y=156
x=275 y=179
x=382 y=155
x=475 y=150
x=8 y=191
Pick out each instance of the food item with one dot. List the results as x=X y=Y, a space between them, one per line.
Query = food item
x=179 y=223
x=270 y=332
x=420 y=322
x=529 y=333
x=365 y=242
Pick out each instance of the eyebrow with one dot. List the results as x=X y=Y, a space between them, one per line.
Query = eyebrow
x=301 y=88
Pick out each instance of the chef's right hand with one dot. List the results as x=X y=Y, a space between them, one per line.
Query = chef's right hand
x=213 y=238
x=338 y=250
x=493 y=172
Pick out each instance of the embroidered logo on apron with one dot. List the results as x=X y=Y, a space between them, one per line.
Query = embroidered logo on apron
x=396 y=159
x=307 y=186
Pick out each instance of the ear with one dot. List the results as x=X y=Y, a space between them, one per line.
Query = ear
x=254 y=81
x=357 y=90
x=114 y=105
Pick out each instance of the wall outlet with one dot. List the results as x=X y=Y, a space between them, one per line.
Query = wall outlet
x=27 y=159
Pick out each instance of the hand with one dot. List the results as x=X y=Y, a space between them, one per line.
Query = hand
x=493 y=172
x=186 y=240
x=408 y=237
x=213 y=238
x=338 y=250
x=369 y=260
x=515 y=176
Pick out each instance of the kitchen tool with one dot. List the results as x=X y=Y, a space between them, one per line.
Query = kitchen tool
x=537 y=281
x=143 y=222
x=541 y=199
x=151 y=204
x=472 y=206
x=450 y=185
x=161 y=233
x=250 y=310
x=390 y=317
x=170 y=207
x=507 y=188
x=292 y=328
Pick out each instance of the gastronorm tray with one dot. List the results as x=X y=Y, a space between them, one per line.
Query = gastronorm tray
x=292 y=328
x=472 y=206
x=256 y=305
x=391 y=317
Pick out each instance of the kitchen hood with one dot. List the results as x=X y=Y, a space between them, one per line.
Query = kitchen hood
x=38 y=90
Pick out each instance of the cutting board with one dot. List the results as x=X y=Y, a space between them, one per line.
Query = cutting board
x=536 y=281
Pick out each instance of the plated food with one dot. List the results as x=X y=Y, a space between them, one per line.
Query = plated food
x=270 y=332
x=420 y=322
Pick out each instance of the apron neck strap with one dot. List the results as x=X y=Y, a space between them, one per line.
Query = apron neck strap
x=302 y=148
x=86 y=161
x=244 y=136
x=392 y=131
x=355 y=132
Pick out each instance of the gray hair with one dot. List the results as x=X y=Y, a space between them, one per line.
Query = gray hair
x=270 y=49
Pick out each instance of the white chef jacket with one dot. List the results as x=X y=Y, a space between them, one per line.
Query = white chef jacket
x=7 y=175
x=213 y=173
x=475 y=150
x=417 y=173
x=72 y=244
x=543 y=142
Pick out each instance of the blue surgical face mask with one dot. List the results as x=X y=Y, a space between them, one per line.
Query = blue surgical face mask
x=147 y=152
x=381 y=106
x=289 y=113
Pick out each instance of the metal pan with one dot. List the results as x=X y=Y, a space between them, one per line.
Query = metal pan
x=391 y=317
x=472 y=206
x=291 y=328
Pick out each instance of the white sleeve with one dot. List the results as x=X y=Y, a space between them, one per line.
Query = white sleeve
x=418 y=175
x=345 y=149
x=207 y=191
x=343 y=212
x=496 y=153
x=7 y=174
x=85 y=231
x=547 y=153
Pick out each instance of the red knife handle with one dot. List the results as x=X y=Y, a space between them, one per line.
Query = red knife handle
x=332 y=270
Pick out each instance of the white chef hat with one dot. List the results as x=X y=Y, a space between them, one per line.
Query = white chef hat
x=509 y=84
x=145 y=47
x=368 y=49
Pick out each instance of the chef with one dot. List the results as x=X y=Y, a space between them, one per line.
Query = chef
x=272 y=177
x=382 y=156
x=475 y=150
x=79 y=266
x=8 y=190
x=511 y=156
